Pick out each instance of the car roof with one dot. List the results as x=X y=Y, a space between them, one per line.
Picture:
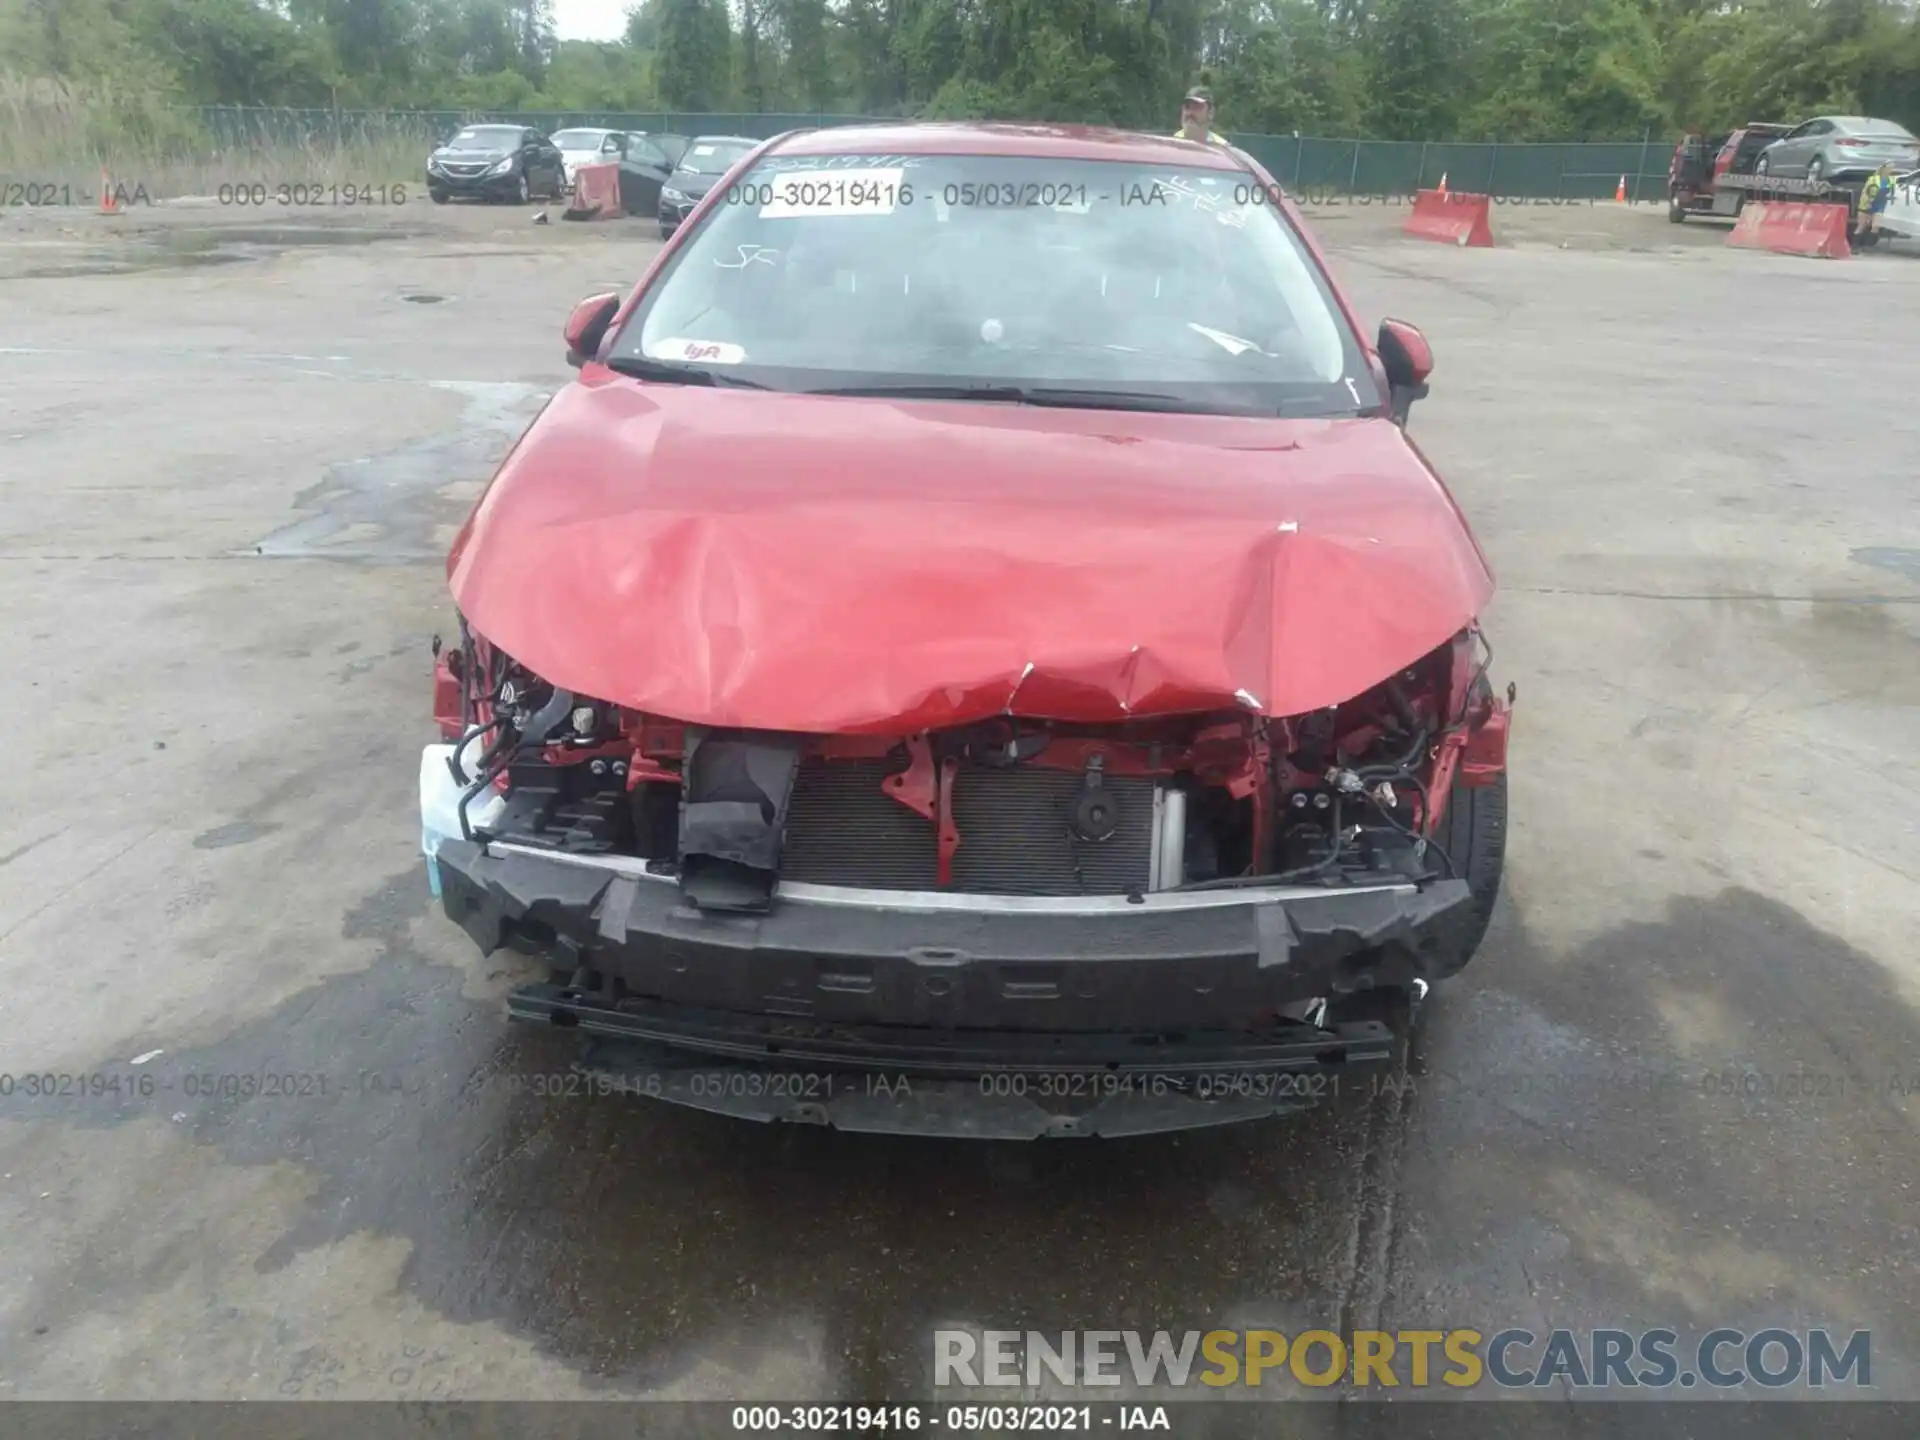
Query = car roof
x=723 y=140
x=1046 y=142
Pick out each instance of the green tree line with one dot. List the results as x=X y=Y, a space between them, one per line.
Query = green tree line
x=1388 y=69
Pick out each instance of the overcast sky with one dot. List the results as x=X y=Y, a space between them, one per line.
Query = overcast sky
x=590 y=19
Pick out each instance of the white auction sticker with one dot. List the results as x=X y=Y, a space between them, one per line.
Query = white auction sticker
x=836 y=192
x=714 y=352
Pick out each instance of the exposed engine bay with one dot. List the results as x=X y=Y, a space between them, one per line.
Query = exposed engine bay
x=1352 y=794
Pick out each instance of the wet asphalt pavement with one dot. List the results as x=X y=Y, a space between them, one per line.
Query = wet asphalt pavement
x=1678 y=1086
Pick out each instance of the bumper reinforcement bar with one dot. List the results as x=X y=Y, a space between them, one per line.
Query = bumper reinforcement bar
x=1192 y=963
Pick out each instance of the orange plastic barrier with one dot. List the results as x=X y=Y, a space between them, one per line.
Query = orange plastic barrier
x=1453 y=218
x=1792 y=228
x=596 y=193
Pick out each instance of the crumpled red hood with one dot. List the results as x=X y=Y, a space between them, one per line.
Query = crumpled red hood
x=833 y=565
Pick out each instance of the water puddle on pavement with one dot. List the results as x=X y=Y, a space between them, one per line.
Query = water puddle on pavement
x=1893 y=558
x=118 y=263
x=398 y=505
x=193 y=247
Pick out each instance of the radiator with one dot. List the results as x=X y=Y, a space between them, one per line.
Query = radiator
x=842 y=829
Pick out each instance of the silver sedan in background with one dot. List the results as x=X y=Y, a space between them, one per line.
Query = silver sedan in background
x=1838 y=147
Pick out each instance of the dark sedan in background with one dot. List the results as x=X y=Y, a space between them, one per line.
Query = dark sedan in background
x=645 y=162
x=705 y=161
x=496 y=162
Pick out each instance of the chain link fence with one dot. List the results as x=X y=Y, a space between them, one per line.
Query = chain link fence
x=1308 y=165
x=1587 y=171
x=240 y=127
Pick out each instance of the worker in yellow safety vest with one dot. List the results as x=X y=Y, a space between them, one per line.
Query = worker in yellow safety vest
x=1874 y=197
x=1196 y=114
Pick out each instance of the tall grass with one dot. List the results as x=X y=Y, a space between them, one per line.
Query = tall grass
x=52 y=134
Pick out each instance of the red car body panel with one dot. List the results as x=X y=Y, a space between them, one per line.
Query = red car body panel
x=840 y=565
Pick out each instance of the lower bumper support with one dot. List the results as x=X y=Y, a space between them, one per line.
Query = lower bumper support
x=966 y=1087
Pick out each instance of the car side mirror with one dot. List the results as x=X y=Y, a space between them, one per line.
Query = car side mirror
x=1408 y=361
x=587 y=327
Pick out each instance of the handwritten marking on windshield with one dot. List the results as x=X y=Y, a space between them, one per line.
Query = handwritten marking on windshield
x=1232 y=344
x=1177 y=187
x=1353 y=390
x=749 y=255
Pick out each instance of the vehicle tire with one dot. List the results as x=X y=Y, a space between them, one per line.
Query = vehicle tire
x=1816 y=171
x=1760 y=166
x=1676 y=212
x=1474 y=835
x=522 y=191
x=439 y=197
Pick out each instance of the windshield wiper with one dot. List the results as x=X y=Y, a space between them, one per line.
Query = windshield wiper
x=1011 y=394
x=670 y=373
x=1036 y=395
x=1123 y=400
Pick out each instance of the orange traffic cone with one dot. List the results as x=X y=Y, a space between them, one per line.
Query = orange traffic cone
x=1443 y=182
x=1620 y=192
x=108 y=205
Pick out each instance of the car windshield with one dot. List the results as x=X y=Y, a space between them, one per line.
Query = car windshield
x=580 y=139
x=485 y=137
x=1136 y=286
x=713 y=157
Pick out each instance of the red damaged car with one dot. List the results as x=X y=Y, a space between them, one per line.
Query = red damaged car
x=975 y=652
